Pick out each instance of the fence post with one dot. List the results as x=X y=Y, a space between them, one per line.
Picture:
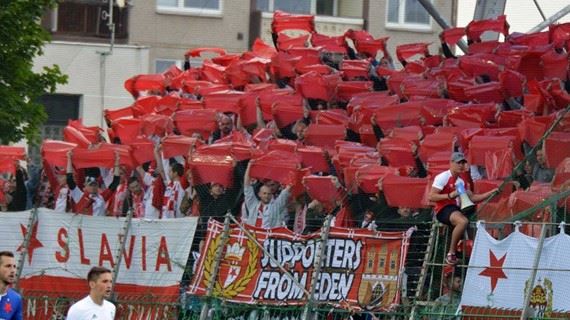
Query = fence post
x=119 y=257
x=318 y=262
x=217 y=262
x=534 y=271
x=31 y=221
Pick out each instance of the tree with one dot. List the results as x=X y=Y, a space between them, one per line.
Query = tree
x=21 y=40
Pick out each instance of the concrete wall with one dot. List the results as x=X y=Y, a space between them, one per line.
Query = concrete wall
x=377 y=26
x=170 y=34
x=82 y=62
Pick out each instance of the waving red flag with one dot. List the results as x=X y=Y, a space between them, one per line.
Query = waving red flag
x=411 y=198
x=208 y=168
x=173 y=145
x=196 y=121
x=70 y=134
x=286 y=21
x=102 y=156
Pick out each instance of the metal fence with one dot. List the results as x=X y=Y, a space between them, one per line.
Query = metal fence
x=422 y=282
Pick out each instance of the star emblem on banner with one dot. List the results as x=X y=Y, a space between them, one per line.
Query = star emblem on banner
x=495 y=269
x=34 y=242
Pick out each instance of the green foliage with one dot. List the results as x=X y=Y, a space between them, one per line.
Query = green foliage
x=21 y=40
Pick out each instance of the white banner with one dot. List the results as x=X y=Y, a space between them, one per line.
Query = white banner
x=68 y=245
x=499 y=273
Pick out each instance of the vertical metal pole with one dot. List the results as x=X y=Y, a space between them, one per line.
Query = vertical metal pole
x=31 y=221
x=432 y=243
x=317 y=264
x=441 y=21
x=216 y=269
x=119 y=257
x=534 y=271
x=555 y=17
x=111 y=26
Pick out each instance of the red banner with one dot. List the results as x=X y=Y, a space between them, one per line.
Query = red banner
x=360 y=268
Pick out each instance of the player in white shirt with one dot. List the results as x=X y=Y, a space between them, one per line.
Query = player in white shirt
x=95 y=305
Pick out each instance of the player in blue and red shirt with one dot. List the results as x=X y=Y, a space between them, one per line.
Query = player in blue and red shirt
x=10 y=300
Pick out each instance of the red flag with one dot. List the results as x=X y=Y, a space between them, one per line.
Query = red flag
x=476 y=28
x=413 y=195
x=348 y=89
x=329 y=43
x=314 y=158
x=112 y=115
x=142 y=150
x=486 y=92
x=156 y=124
x=145 y=105
x=286 y=114
x=126 y=130
x=287 y=21
x=323 y=189
x=452 y=35
x=332 y=116
x=54 y=152
x=208 y=168
x=398 y=152
x=355 y=69
x=499 y=163
x=196 y=121
x=285 y=42
x=13 y=153
x=562 y=175
x=223 y=101
x=145 y=82
x=322 y=135
x=197 y=52
x=434 y=143
x=438 y=162
x=280 y=166
x=367 y=176
x=556 y=148
x=70 y=134
x=173 y=145
x=102 y=156
x=481 y=144
x=262 y=49
x=316 y=86
x=91 y=133
x=406 y=51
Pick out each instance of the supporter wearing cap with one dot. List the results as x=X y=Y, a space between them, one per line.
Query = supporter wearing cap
x=445 y=195
x=91 y=200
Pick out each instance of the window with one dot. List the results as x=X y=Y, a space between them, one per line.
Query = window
x=201 y=7
x=409 y=14
x=318 y=7
x=86 y=19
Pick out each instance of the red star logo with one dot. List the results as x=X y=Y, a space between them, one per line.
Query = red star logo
x=34 y=242
x=495 y=270
x=7 y=307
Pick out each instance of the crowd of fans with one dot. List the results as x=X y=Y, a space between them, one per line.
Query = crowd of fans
x=317 y=125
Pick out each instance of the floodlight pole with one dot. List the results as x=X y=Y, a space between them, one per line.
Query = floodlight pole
x=441 y=21
x=555 y=17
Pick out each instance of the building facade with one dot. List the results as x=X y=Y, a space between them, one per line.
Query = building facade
x=152 y=35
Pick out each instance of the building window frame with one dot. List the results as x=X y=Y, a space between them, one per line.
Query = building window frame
x=180 y=9
x=313 y=8
x=402 y=24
